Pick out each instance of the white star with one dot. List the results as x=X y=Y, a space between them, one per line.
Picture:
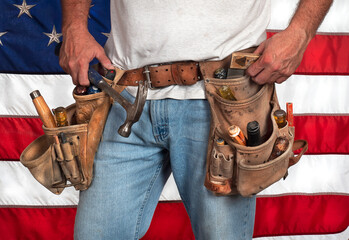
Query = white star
x=54 y=36
x=106 y=34
x=92 y=5
x=24 y=8
x=1 y=34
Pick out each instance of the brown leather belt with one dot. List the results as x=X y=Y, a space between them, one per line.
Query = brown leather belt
x=179 y=73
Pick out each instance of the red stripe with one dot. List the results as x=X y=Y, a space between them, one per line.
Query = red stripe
x=301 y=214
x=325 y=55
x=325 y=134
x=275 y=216
x=37 y=223
x=170 y=222
x=17 y=134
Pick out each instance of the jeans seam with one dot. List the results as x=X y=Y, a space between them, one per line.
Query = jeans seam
x=248 y=204
x=160 y=124
x=146 y=198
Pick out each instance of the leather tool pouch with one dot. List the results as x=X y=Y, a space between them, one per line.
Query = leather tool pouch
x=69 y=163
x=233 y=168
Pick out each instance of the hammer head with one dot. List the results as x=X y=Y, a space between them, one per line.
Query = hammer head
x=133 y=110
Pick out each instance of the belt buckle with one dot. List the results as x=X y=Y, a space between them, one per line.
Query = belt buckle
x=146 y=72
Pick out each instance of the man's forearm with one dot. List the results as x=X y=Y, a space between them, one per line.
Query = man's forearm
x=75 y=14
x=79 y=47
x=283 y=52
x=309 y=15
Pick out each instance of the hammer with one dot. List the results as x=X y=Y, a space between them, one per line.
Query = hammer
x=134 y=110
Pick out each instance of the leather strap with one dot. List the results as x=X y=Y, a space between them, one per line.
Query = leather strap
x=298 y=144
x=180 y=73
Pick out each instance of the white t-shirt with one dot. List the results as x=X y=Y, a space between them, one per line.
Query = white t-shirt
x=145 y=32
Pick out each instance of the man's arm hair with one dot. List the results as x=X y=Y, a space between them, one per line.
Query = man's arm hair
x=75 y=14
x=283 y=52
x=79 y=47
x=309 y=15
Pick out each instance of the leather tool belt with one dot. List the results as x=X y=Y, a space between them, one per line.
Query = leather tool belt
x=230 y=169
x=179 y=73
x=233 y=168
x=70 y=163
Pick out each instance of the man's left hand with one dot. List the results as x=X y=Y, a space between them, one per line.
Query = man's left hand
x=280 y=56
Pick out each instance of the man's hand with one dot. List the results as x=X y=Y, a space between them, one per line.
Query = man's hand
x=79 y=47
x=280 y=56
x=78 y=50
x=282 y=53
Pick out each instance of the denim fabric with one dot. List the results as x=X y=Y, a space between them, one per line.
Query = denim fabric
x=129 y=175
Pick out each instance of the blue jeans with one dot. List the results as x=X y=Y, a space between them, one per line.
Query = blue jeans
x=130 y=173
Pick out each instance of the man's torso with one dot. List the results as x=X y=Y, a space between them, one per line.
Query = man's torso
x=145 y=32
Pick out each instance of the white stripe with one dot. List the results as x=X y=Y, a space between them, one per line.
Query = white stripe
x=15 y=99
x=313 y=174
x=336 y=21
x=337 y=236
x=170 y=191
x=315 y=94
x=311 y=94
x=18 y=187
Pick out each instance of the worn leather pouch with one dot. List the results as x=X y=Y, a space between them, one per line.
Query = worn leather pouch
x=70 y=162
x=233 y=168
x=39 y=157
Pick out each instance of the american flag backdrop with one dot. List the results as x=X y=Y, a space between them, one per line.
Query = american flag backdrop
x=312 y=203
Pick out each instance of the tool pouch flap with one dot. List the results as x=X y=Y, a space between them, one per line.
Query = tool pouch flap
x=233 y=168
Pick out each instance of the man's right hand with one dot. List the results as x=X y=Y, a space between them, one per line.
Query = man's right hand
x=79 y=48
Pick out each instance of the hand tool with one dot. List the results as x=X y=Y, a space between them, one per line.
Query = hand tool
x=240 y=61
x=43 y=110
x=134 y=110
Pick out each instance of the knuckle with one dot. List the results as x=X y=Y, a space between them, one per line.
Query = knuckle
x=81 y=63
x=275 y=67
x=71 y=64
x=267 y=60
